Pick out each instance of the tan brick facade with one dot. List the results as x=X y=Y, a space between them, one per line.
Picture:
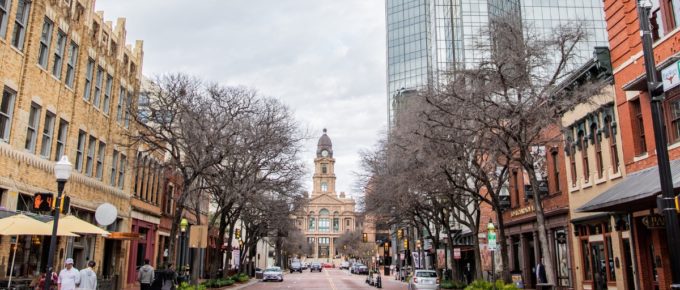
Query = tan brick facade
x=57 y=97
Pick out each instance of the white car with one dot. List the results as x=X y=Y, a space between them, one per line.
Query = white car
x=273 y=273
x=344 y=265
x=424 y=280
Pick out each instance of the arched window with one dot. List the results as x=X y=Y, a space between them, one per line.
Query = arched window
x=324 y=211
x=324 y=187
x=324 y=221
x=583 y=143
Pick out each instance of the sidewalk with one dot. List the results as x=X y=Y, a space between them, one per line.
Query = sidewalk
x=241 y=286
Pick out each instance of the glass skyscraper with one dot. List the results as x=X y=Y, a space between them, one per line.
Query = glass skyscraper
x=426 y=38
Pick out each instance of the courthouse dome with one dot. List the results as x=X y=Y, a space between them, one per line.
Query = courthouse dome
x=324 y=144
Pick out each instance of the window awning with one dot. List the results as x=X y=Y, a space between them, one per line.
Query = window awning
x=637 y=191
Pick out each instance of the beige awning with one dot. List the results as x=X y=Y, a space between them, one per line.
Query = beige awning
x=21 y=224
x=75 y=225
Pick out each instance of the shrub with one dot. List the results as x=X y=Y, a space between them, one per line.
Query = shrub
x=448 y=284
x=242 y=278
x=187 y=286
x=484 y=285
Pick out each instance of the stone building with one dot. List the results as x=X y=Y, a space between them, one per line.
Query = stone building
x=67 y=79
x=328 y=214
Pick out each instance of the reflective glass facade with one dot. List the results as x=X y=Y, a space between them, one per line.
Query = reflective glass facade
x=426 y=38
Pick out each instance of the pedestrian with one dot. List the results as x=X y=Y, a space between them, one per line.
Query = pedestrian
x=541 y=278
x=145 y=275
x=169 y=278
x=69 y=277
x=88 y=277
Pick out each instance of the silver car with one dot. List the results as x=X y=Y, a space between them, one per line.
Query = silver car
x=424 y=280
x=273 y=273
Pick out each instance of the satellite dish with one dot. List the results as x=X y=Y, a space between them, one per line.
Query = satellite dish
x=106 y=214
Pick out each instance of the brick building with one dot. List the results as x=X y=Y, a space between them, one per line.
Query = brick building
x=67 y=78
x=636 y=194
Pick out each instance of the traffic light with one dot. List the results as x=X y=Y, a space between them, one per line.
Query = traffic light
x=65 y=203
x=238 y=234
x=677 y=203
x=400 y=233
x=364 y=237
x=405 y=243
x=43 y=201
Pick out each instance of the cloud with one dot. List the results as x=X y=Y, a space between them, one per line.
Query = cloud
x=323 y=58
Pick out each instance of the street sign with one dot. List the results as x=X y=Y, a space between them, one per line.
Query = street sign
x=456 y=254
x=492 y=241
x=42 y=201
x=670 y=76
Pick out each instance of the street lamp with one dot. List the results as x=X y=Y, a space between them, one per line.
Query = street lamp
x=62 y=171
x=656 y=94
x=182 y=244
x=491 y=228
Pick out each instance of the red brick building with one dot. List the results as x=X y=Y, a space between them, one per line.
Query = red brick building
x=636 y=193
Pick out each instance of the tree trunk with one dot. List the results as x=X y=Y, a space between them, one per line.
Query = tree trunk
x=542 y=234
x=505 y=261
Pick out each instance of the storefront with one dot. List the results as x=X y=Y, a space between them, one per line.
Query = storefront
x=524 y=246
x=142 y=248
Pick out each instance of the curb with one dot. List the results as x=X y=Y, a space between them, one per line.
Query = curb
x=241 y=286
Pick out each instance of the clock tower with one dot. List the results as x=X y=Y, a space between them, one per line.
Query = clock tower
x=324 y=167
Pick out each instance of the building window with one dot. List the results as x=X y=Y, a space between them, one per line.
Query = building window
x=324 y=225
x=45 y=41
x=4 y=12
x=127 y=107
x=324 y=169
x=673 y=109
x=613 y=150
x=169 y=197
x=114 y=168
x=91 y=146
x=48 y=133
x=555 y=170
x=324 y=187
x=640 y=143
x=336 y=224
x=107 y=94
x=121 y=105
x=673 y=7
x=88 y=79
x=61 y=139
x=19 y=34
x=59 y=54
x=599 y=163
x=33 y=121
x=312 y=224
x=71 y=65
x=100 y=160
x=80 y=150
x=98 y=87
x=121 y=171
x=6 y=110
x=656 y=20
x=584 y=155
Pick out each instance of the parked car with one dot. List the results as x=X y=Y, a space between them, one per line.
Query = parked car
x=358 y=268
x=273 y=273
x=305 y=265
x=295 y=267
x=344 y=265
x=328 y=265
x=315 y=266
x=424 y=280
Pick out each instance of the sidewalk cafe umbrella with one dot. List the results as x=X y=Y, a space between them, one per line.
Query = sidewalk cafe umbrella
x=73 y=224
x=19 y=225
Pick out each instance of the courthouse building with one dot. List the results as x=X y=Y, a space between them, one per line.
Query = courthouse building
x=328 y=214
x=67 y=78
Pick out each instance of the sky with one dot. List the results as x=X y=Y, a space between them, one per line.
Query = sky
x=325 y=59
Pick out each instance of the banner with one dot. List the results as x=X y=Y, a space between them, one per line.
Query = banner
x=441 y=258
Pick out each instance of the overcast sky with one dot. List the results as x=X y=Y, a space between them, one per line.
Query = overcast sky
x=325 y=59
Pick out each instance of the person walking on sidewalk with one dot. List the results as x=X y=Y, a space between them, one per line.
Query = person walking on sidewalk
x=88 y=277
x=145 y=275
x=69 y=277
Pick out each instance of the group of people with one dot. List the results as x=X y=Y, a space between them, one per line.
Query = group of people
x=70 y=278
x=146 y=275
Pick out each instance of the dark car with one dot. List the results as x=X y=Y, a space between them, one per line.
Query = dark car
x=295 y=267
x=315 y=267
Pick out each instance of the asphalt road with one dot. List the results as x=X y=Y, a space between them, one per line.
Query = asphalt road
x=328 y=279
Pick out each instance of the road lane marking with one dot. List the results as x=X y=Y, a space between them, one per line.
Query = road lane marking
x=330 y=281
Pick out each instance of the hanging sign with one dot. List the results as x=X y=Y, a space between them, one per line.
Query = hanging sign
x=671 y=76
x=456 y=254
x=492 y=241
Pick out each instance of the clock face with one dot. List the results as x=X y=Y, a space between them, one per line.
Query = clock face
x=324 y=153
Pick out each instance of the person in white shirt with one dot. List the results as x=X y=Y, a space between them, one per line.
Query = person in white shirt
x=69 y=277
x=88 y=277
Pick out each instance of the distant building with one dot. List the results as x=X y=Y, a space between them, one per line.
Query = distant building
x=327 y=215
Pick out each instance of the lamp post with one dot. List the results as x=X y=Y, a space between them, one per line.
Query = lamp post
x=62 y=171
x=655 y=90
x=491 y=228
x=182 y=243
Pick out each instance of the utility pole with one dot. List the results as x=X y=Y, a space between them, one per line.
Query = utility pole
x=665 y=202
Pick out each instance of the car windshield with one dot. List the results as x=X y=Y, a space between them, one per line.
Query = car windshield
x=358 y=264
x=295 y=264
x=277 y=269
x=316 y=264
x=426 y=274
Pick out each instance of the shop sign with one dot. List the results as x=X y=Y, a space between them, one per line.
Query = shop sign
x=522 y=211
x=671 y=76
x=492 y=241
x=456 y=253
x=654 y=221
